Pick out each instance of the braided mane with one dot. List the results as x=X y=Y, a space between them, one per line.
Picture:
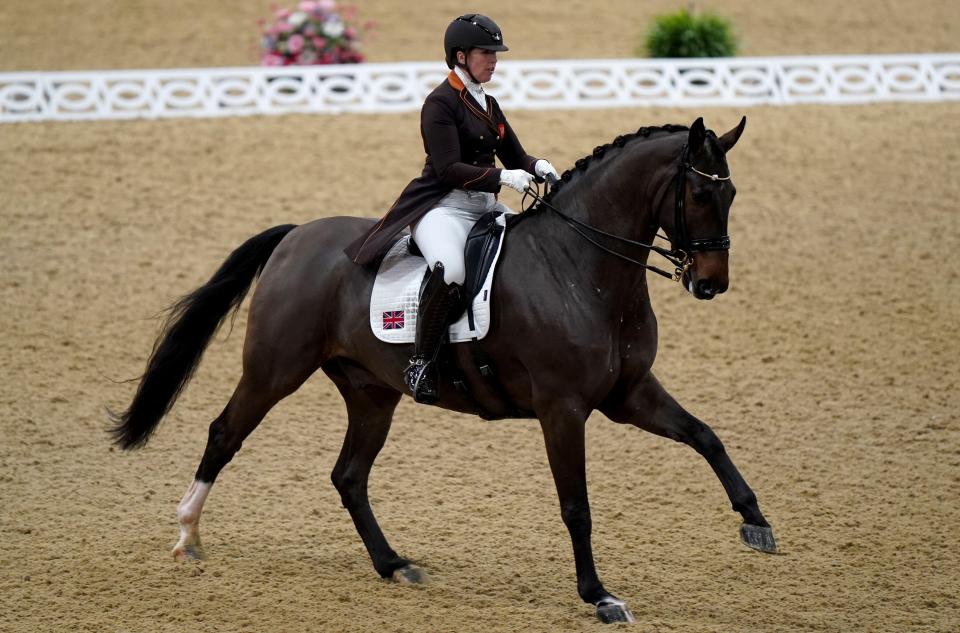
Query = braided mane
x=598 y=153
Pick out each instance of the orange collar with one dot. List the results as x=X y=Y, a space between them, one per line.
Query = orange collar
x=457 y=84
x=454 y=79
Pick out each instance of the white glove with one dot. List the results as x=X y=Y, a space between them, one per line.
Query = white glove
x=543 y=167
x=516 y=179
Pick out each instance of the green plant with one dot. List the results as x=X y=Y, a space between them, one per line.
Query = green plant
x=684 y=34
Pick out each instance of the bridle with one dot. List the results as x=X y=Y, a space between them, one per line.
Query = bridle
x=720 y=243
x=683 y=248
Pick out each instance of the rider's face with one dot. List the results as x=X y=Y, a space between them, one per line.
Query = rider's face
x=481 y=63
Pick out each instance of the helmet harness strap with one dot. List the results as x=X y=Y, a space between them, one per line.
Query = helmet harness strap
x=466 y=68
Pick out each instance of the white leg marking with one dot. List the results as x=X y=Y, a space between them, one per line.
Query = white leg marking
x=188 y=515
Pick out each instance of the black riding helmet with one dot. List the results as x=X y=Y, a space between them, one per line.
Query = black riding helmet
x=471 y=31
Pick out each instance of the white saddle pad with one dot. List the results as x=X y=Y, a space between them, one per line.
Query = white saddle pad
x=393 y=306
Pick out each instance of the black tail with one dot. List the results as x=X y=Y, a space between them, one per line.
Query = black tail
x=190 y=325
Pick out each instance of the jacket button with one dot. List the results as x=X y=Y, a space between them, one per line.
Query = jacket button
x=474 y=162
x=481 y=137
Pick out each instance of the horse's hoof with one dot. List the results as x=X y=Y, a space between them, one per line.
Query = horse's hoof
x=410 y=574
x=610 y=611
x=759 y=538
x=188 y=553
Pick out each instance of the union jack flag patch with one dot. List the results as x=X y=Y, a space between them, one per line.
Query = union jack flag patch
x=393 y=320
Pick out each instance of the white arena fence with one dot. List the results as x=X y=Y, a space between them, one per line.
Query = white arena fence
x=401 y=87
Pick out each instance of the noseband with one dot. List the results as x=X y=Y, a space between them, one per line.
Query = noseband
x=681 y=255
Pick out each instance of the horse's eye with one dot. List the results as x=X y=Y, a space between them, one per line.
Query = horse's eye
x=701 y=196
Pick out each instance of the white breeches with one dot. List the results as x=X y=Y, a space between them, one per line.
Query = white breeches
x=442 y=233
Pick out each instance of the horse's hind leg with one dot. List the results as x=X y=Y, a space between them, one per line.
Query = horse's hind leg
x=250 y=402
x=651 y=408
x=370 y=413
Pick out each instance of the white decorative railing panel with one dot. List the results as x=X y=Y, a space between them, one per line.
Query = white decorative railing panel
x=212 y=92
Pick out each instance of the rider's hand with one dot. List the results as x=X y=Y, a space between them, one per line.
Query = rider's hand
x=516 y=179
x=543 y=167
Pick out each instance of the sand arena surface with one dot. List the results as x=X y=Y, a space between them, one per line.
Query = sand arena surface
x=829 y=369
x=185 y=33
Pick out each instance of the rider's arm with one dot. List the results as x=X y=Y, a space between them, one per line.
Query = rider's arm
x=442 y=142
x=510 y=151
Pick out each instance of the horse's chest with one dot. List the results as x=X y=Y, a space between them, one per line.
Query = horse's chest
x=637 y=342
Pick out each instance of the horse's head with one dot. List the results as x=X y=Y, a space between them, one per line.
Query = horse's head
x=698 y=224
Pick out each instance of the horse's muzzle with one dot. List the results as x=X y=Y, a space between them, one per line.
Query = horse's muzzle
x=707 y=278
x=705 y=289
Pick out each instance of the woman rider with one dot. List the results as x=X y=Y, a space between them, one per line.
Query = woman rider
x=463 y=129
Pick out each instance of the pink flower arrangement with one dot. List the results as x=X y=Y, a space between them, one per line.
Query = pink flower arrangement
x=316 y=32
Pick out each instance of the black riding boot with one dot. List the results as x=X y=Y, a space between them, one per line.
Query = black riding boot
x=433 y=317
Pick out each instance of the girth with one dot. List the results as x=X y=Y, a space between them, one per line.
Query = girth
x=479 y=252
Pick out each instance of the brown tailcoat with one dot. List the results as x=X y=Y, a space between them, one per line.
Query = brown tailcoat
x=461 y=141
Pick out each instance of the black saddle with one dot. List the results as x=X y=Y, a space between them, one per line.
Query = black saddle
x=483 y=244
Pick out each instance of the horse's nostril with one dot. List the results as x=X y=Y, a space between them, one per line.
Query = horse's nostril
x=704 y=287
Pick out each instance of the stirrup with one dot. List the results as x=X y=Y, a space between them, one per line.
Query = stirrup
x=420 y=380
x=413 y=370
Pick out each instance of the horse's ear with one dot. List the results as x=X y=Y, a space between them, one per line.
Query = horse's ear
x=698 y=133
x=728 y=140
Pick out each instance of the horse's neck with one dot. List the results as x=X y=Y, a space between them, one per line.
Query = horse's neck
x=617 y=195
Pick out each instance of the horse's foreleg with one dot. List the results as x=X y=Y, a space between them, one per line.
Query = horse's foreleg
x=651 y=408
x=370 y=413
x=564 y=437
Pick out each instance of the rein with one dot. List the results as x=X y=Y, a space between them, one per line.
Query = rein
x=680 y=257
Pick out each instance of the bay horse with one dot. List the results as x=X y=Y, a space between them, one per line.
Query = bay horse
x=572 y=277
